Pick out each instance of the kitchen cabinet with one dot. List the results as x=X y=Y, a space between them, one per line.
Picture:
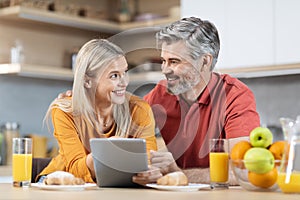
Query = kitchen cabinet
x=65 y=30
x=245 y=29
x=287 y=31
x=29 y=15
x=258 y=38
x=249 y=38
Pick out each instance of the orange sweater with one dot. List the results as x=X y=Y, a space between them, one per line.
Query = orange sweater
x=72 y=152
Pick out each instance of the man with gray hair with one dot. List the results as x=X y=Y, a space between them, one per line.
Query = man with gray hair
x=194 y=103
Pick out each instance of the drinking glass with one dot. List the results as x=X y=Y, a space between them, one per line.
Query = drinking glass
x=219 y=163
x=22 y=162
x=289 y=173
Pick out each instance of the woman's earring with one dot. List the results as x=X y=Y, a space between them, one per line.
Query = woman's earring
x=87 y=84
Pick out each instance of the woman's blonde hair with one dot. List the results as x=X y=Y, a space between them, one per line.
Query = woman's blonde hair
x=92 y=59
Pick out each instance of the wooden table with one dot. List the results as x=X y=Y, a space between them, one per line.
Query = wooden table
x=7 y=192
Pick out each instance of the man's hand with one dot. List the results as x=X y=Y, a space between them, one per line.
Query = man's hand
x=161 y=164
x=149 y=176
x=164 y=161
x=68 y=93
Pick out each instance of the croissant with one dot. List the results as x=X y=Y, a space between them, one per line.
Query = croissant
x=62 y=178
x=174 y=178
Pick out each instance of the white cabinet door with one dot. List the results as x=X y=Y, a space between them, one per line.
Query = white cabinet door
x=212 y=10
x=287 y=31
x=249 y=32
x=245 y=28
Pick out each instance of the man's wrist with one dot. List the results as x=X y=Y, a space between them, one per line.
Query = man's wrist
x=175 y=168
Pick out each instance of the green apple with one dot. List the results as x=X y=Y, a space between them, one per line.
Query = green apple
x=261 y=137
x=259 y=160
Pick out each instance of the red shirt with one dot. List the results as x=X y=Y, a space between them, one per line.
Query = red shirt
x=226 y=109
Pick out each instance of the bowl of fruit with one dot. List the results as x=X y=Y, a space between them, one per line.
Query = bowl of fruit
x=255 y=163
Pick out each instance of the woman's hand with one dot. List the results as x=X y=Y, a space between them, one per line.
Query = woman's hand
x=90 y=164
x=68 y=93
x=149 y=176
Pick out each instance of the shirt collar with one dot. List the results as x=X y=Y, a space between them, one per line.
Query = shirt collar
x=204 y=97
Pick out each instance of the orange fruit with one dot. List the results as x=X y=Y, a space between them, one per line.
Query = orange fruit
x=278 y=148
x=263 y=180
x=238 y=151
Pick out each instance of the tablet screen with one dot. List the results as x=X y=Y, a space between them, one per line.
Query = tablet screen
x=116 y=160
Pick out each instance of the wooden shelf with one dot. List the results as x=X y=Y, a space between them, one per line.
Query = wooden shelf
x=263 y=71
x=59 y=73
x=31 y=15
x=37 y=71
x=22 y=13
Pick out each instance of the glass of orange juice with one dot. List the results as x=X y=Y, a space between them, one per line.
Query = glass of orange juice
x=22 y=162
x=219 y=163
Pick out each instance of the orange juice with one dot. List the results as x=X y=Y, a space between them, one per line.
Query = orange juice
x=22 y=165
x=218 y=166
x=293 y=186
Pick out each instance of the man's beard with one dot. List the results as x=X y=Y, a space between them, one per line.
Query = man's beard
x=183 y=86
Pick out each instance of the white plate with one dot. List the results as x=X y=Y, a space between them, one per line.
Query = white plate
x=62 y=187
x=188 y=188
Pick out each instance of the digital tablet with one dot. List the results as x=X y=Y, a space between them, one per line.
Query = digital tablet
x=116 y=160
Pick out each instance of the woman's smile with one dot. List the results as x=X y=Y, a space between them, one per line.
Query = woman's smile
x=120 y=93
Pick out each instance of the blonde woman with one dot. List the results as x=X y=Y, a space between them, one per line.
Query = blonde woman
x=100 y=107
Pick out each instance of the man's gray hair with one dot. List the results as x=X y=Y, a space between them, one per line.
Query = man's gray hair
x=200 y=37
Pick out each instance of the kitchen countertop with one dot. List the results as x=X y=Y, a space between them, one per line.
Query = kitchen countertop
x=5 y=170
x=7 y=192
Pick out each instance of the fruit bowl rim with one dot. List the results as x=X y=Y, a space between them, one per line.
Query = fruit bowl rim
x=254 y=161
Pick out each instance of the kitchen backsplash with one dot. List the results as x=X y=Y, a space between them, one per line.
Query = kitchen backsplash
x=25 y=100
x=276 y=97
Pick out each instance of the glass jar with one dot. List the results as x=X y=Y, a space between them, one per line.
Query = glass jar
x=2 y=149
x=10 y=130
